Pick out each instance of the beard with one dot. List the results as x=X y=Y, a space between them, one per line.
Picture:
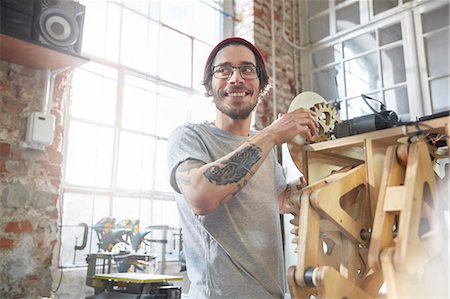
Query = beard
x=242 y=113
x=237 y=114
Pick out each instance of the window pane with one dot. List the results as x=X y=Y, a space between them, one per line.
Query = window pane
x=357 y=107
x=359 y=44
x=435 y=19
x=80 y=208
x=75 y=211
x=210 y=16
x=316 y=6
x=201 y=52
x=162 y=172
x=382 y=5
x=155 y=9
x=165 y=213
x=175 y=57
x=390 y=34
x=136 y=161
x=440 y=96
x=397 y=100
x=145 y=213
x=89 y=155
x=138 y=6
x=327 y=55
x=361 y=74
x=347 y=17
x=319 y=28
x=94 y=94
x=138 y=49
x=103 y=20
x=125 y=208
x=329 y=83
x=437 y=49
x=167 y=117
x=202 y=109
x=139 y=105
x=393 y=66
x=177 y=14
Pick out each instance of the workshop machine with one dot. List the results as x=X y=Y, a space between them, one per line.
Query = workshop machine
x=371 y=222
x=121 y=269
x=141 y=285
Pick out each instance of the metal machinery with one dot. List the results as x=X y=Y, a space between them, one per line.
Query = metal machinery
x=371 y=222
x=127 y=284
x=123 y=268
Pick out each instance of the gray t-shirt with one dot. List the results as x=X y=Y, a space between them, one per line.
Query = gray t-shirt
x=235 y=251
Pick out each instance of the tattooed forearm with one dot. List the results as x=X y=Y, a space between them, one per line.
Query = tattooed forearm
x=236 y=167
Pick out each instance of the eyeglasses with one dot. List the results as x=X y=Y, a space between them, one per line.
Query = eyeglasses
x=226 y=71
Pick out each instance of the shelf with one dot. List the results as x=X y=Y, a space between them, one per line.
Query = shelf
x=36 y=55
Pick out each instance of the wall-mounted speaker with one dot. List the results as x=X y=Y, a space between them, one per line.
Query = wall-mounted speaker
x=59 y=24
x=16 y=18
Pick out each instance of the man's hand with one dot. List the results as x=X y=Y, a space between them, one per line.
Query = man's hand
x=287 y=126
x=290 y=198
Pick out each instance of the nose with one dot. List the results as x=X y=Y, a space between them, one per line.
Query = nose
x=235 y=76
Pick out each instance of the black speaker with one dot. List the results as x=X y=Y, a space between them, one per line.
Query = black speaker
x=16 y=18
x=59 y=24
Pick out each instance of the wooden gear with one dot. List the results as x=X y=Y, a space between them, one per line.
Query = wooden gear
x=376 y=219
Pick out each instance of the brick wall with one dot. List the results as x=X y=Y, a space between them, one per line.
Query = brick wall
x=257 y=27
x=29 y=186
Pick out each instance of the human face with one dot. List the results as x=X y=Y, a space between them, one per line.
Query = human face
x=236 y=97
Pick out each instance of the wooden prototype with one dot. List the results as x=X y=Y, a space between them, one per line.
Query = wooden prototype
x=371 y=220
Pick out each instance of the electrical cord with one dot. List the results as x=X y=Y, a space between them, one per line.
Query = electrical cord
x=384 y=118
x=382 y=106
x=416 y=123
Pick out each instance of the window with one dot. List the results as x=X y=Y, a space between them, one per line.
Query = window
x=143 y=80
x=393 y=50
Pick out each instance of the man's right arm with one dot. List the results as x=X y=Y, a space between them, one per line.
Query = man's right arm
x=207 y=186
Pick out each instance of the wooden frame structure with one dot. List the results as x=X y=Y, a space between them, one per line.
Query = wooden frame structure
x=372 y=215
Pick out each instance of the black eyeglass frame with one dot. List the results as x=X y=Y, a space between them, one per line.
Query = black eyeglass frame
x=234 y=69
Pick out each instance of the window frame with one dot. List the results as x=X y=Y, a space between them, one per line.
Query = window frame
x=112 y=192
x=408 y=14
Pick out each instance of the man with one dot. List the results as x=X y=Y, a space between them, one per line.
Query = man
x=228 y=180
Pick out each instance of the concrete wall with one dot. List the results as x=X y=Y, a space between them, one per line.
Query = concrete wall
x=29 y=187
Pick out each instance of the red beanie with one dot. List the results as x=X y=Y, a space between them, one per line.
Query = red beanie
x=233 y=40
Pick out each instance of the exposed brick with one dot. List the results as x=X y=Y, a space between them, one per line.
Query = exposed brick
x=53 y=243
x=5 y=150
x=19 y=227
x=13 y=107
x=6 y=243
x=3 y=171
x=54 y=156
x=53 y=170
x=52 y=214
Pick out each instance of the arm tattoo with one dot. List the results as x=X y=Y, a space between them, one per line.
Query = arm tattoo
x=182 y=173
x=236 y=167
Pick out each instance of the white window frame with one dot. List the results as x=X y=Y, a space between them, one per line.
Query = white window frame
x=415 y=62
x=113 y=191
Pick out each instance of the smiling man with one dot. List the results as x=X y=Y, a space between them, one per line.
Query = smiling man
x=229 y=186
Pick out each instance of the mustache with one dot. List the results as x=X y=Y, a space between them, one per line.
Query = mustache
x=240 y=88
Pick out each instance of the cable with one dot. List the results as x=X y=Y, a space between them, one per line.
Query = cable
x=383 y=108
x=365 y=97
x=376 y=121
